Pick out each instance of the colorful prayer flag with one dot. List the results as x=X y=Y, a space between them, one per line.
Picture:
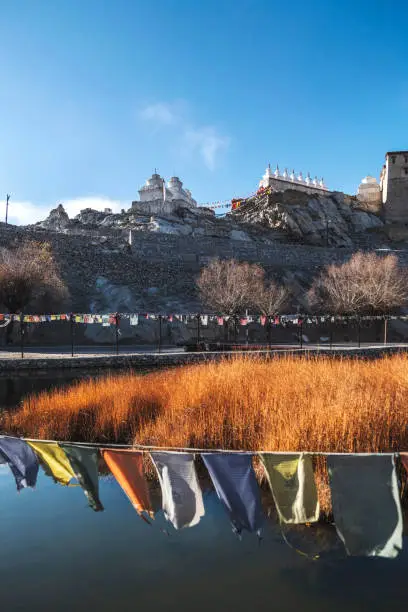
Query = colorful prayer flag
x=182 y=498
x=293 y=487
x=127 y=468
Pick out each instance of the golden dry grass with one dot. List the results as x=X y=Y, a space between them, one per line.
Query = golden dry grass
x=315 y=404
x=283 y=404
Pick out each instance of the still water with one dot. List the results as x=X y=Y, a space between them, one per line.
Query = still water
x=58 y=553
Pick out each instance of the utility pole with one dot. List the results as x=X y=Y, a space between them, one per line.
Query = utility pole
x=7 y=205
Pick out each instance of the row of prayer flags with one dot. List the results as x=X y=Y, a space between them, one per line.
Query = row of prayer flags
x=135 y=318
x=364 y=488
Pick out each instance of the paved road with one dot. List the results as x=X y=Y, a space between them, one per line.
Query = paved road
x=103 y=351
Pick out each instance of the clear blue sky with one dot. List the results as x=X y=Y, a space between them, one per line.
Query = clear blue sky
x=96 y=93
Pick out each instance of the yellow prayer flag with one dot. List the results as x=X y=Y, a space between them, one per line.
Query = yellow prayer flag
x=56 y=460
x=293 y=486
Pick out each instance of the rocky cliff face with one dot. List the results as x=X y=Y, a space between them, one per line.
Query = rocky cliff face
x=334 y=220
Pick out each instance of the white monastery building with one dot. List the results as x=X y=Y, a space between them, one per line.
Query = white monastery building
x=157 y=196
x=282 y=181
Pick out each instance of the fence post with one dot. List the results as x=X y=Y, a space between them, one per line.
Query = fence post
x=117 y=332
x=160 y=333
x=359 y=332
x=22 y=334
x=246 y=328
x=331 y=334
x=301 y=333
x=71 y=318
x=198 y=329
x=385 y=329
x=269 y=332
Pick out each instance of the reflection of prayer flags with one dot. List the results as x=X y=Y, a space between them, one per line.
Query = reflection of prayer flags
x=293 y=487
x=55 y=459
x=21 y=459
x=181 y=494
x=234 y=480
x=127 y=468
x=366 y=504
x=84 y=462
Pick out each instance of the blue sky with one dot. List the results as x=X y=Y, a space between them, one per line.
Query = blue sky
x=95 y=94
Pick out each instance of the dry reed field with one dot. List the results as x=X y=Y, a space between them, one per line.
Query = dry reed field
x=310 y=403
x=282 y=404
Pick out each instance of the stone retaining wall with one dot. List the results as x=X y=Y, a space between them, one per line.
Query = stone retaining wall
x=149 y=361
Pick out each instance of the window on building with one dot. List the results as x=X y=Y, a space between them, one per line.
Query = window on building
x=405 y=171
x=393 y=159
x=406 y=159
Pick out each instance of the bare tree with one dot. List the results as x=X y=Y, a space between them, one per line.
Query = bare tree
x=230 y=287
x=29 y=275
x=271 y=298
x=366 y=284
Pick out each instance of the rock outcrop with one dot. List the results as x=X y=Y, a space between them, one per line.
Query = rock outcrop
x=58 y=220
x=334 y=219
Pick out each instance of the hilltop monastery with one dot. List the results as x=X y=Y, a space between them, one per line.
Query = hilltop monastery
x=388 y=196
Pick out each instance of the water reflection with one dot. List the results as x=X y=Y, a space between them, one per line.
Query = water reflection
x=67 y=556
x=13 y=389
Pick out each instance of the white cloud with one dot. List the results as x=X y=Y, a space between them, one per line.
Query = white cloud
x=207 y=143
x=185 y=137
x=26 y=213
x=164 y=114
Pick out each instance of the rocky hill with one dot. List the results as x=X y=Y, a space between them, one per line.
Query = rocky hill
x=334 y=220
